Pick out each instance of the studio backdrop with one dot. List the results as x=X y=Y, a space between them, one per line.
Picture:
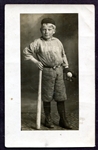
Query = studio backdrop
x=67 y=33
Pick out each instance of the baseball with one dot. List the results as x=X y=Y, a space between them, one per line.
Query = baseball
x=69 y=74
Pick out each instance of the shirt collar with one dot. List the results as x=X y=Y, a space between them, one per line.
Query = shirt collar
x=53 y=38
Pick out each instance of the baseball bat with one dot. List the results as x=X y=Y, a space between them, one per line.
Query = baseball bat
x=38 y=117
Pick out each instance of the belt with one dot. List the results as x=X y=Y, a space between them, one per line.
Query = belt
x=54 y=67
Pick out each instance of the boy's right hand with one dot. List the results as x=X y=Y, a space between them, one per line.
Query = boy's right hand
x=39 y=65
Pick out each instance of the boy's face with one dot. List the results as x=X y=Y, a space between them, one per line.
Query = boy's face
x=47 y=31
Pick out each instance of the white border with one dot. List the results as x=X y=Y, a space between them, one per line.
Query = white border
x=85 y=137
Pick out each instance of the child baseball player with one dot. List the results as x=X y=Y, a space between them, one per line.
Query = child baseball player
x=47 y=53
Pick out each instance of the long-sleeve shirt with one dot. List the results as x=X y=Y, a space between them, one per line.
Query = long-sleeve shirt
x=49 y=53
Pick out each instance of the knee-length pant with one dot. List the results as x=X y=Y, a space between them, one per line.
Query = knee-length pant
x=53 y=86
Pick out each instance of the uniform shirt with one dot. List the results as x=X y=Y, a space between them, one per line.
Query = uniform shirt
x=49 y=53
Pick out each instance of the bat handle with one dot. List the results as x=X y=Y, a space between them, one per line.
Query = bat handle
x=38 y=118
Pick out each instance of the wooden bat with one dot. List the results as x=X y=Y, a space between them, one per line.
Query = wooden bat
x=38 y=117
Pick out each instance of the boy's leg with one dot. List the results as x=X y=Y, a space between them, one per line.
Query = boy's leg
x=47 y=111
x=63 y=119
x=60 y=97
x=48 y=80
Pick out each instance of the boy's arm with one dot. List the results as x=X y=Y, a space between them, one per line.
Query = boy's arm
x=65 y=61
x=29 y=54
x=66 y=66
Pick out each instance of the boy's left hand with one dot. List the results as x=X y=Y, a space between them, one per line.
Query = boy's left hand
x=69 y=75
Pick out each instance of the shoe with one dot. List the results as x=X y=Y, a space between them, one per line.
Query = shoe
x=65 y=124
x=48 y=122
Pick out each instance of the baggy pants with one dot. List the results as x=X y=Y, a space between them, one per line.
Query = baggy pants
x=53 y=86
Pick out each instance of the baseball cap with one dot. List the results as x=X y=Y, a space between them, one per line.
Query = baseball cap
x=48 y=20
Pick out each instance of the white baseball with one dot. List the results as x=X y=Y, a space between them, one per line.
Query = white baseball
x=69 y=74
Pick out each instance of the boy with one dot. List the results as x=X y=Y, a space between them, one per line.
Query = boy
x=48 y=54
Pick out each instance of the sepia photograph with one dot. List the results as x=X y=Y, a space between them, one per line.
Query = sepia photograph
x=49 y=45
x=49 y=76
